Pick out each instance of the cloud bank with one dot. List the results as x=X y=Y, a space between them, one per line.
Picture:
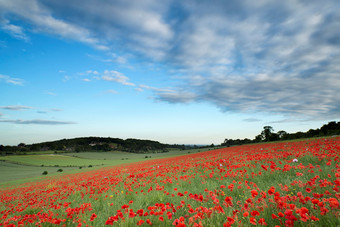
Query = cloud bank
x=280 y=57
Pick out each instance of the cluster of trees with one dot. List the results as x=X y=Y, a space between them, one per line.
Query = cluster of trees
x=91 y=144
x=268 y=134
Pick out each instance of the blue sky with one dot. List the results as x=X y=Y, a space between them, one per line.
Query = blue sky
x=192 y=72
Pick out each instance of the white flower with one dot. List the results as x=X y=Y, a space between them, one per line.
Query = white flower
x=295 y=160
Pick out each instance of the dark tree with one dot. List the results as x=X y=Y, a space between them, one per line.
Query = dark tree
x=282 y=134
x=267 y=133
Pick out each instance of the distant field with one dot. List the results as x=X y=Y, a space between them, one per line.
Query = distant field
x=11 y=171
x=119 y=155
x=55 y=160
x=16 y=167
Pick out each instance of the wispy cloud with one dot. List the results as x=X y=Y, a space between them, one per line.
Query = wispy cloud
x=111 y=75
x=251 y=120
x=50 y=93
x=14 y=30
x=11 y=80
x=111 y=91
x=142 y=86
x=181 y=96
x=37 y=122
x=48 y=111
x=16 y=108
x=42 y=20
x=56 y=110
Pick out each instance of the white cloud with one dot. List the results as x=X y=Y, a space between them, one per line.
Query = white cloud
x=11 y=80
x=154 y=88
x=14 y=30
x=115 y=76
x=34 y=12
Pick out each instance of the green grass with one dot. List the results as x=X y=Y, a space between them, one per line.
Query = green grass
x=17 y=169
x=54 y=160
x=11 y=171
x=118 y=155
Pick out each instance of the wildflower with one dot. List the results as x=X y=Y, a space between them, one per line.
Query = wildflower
x=252 y=220
x=93 y=216
x=262 y=221
x=140 y=222
x=274 y=216
x=255 y=213
x=254 y=193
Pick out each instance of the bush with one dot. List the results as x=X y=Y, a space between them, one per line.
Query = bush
x=45 y=173
x=80 y=167
x=60 y=170
x=90 y=165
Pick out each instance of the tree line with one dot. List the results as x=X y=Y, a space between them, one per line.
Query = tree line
x=268 y=134
x=146 y=146
x=91 y=144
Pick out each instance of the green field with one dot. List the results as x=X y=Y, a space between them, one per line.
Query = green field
x=11 y=171
x=20 y=168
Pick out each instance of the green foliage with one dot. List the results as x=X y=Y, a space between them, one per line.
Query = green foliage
x=92 y=144
x=45 y=173
x=268 y=134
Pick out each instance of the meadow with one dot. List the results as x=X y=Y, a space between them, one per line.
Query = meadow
x=274 y=184
x=23 y=167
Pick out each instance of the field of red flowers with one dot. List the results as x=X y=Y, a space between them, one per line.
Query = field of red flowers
x=274 y=184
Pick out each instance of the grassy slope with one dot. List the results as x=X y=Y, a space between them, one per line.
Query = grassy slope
x=19 y=169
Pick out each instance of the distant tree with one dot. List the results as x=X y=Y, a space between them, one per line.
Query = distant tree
x=267 y=133
x=313 y=132
x=258 y=138
x=282 y=134
x=331 y=128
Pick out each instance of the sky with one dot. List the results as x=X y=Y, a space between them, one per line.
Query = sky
x=184 y=72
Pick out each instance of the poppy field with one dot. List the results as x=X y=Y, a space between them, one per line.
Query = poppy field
x=274 y=184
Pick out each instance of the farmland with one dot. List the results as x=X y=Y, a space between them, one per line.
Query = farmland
x=275 y=184
x=15 y=167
